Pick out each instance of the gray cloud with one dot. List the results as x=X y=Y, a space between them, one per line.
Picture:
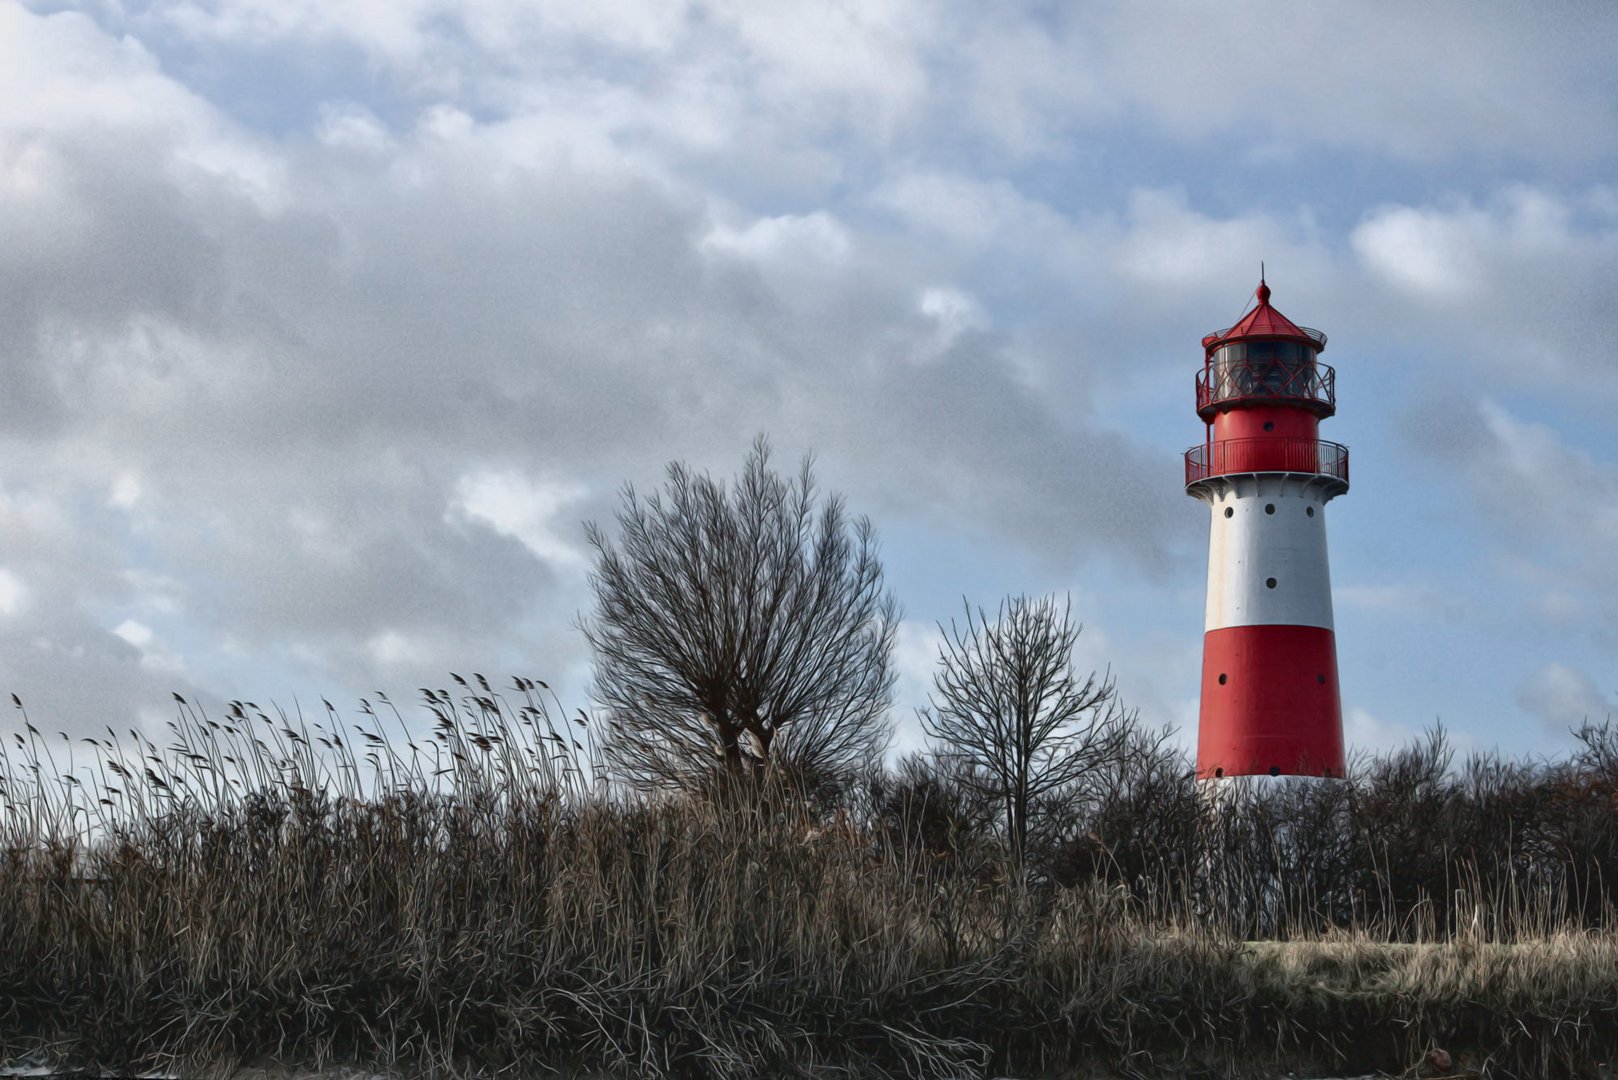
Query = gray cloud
x=314 y=378
x=721 y=81
x=1521 y=281
x=1563 y=698
x=284 y=364
x=1547 y=512
x=1426 y=83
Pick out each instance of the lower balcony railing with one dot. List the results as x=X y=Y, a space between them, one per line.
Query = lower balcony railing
x=1272 y=454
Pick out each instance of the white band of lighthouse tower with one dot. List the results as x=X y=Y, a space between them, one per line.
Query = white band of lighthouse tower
x=1267 y=562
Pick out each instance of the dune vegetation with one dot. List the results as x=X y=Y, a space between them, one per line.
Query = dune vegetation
x=480 y=898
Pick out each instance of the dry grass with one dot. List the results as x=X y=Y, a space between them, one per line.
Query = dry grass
x=318 y=893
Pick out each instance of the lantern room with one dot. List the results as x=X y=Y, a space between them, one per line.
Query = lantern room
x=1262 y=393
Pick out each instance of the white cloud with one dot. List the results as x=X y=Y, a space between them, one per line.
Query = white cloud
x=1561 y=697
x=153 y=592
x=283 y=403
x=1520 y=281
x=517 y=506
x=915 y=657
x=1023 y=79
x=1548 y=501
x=1179 y=257
x=863 y=59
x=814 y=238
x=13 y=594
x=126 y=491
x=1128 y=274
x=391 y=649
x=1563 y=498
x=1365 y=732
x=154 y=656
x=390 y=30
x=279 y=280
x=136 y=633
x=1435 y=254
x=348 y=125
x=59 y=76
x=953 y=311
x=975 y=212
x=1365 y=75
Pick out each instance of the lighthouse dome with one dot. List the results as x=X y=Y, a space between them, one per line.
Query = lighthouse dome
x=1263 y=322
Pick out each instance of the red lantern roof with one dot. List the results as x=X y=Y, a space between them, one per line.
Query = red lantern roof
x=1265 y=323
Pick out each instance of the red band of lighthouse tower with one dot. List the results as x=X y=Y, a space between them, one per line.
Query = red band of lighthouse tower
x=1270 y=702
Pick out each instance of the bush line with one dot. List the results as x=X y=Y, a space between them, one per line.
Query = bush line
x=482 y=900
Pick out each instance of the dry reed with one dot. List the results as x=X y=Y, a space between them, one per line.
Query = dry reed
x=481 y=900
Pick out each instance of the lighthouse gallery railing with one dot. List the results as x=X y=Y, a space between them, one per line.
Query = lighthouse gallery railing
x=1226 y=383
x=1269 y=454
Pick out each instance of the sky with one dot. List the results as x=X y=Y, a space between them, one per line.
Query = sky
x=326 y=324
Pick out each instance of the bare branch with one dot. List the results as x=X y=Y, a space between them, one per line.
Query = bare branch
x=738 y=627
x=1007 y=703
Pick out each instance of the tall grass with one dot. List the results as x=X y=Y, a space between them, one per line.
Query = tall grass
x=264 y=887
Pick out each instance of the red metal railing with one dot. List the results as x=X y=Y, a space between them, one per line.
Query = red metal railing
x=1317 y=336
x=1271 y=454
x=1314 y=384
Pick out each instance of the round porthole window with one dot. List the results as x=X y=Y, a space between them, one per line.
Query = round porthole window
x=1310 y=511
x=1222 y=678
x=1229 y=512
x=1269 y=425
x=1321 y=679
x=1269 y=583
x=1269 y=508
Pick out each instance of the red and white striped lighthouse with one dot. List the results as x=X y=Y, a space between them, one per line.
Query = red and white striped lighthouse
x=1270 y=703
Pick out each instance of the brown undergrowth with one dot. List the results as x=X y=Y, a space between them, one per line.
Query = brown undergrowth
x=480 y=900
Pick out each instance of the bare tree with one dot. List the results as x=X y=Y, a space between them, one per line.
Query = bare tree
x=1007 y=702
x=740 y=627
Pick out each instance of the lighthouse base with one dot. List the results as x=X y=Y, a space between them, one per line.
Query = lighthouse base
x=1270 y=703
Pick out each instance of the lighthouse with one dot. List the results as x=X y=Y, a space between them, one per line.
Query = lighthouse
x=1270 y=703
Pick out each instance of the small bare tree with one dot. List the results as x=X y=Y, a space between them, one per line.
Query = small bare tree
x=1007 y=703
x=740 y=627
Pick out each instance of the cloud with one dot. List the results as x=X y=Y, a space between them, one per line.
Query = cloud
x=1520 y=282
x=915 y=658
x=154 y=655
x=393 y=650
x=345 y=423
x=815 y=239
x=954 y=311
x=1563 y=698
x=974 y=213
x=1025 y=80
x=13 y=594
x=1543 y=525
x=64 y=84
x=1554 y=506
x=327 y=323
x=864 y=60
x=514 y=505
x=1367 y=733
x=1367 y=75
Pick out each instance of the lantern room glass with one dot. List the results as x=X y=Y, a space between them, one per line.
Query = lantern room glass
x=1258 y=369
